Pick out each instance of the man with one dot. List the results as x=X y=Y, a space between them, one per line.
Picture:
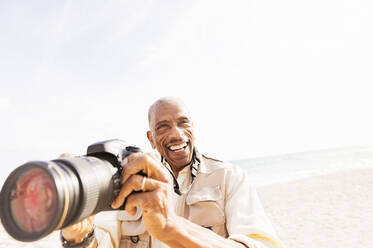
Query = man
x=185 y=200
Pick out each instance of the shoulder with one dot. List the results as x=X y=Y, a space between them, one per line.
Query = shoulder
x=212 y=164
x=231 y=178
x=212 y=158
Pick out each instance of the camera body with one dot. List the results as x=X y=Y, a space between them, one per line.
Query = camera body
x=113 y=151
x=42 y=196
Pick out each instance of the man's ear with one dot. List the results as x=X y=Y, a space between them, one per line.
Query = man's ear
x=150 y=138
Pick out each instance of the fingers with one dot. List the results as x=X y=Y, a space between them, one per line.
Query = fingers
x=154 y=200
x=84 y=224
x=137 y=199
x=66 y=155
x=134 y=183
x=148 y=164
x=79 y=230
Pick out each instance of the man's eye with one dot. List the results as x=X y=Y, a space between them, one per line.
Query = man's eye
x=184 y=123
x=162 y=127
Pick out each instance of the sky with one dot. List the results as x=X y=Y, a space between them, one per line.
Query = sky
x=260 y=78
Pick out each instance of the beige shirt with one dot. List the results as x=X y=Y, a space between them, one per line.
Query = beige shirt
x=220 y=198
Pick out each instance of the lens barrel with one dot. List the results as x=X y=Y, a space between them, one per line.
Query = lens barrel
x=77 y=188
x=42 y=196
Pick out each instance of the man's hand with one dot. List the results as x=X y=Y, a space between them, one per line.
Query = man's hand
x=155 y=192
x=78 y=231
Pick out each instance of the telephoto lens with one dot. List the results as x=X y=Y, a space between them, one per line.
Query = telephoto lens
x=42 y=196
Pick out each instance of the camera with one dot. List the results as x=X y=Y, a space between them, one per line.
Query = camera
x=42 y=196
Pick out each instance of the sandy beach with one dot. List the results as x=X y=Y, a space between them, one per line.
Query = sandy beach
x=333 y=210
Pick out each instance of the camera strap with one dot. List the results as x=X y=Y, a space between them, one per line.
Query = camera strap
x=194 y=165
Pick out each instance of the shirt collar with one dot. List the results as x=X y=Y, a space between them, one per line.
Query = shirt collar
x=194 y=169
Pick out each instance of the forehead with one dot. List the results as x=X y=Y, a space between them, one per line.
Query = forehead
x=168 y=111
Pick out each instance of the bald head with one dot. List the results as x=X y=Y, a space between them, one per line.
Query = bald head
x=163 y=102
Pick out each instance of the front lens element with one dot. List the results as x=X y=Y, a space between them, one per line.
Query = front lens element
x=34 y=201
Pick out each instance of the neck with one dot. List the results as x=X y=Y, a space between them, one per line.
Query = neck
x=176 y=169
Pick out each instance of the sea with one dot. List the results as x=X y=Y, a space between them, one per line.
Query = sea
x=261 y=171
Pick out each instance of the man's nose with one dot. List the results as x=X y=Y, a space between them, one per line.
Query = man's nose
x=177 y=133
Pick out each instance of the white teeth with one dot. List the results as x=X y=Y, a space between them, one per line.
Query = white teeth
x=173 y=148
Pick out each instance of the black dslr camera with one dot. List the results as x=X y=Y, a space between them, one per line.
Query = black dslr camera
x=41 y=196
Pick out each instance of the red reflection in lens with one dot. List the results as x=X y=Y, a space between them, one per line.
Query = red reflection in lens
x=33 y=201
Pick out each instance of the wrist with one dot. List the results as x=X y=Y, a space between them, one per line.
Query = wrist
x=84 y=240
x=176 y=235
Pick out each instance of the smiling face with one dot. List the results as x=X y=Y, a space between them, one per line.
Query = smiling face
x=171 y=132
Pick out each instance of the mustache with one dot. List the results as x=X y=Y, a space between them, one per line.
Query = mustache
x=177 y=141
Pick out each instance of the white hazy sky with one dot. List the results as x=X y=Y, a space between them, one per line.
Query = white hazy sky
x=261 y=77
